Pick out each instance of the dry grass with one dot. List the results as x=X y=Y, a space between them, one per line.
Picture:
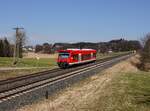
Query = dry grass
x=19 y=72
x=85 y=95
x=34 y=55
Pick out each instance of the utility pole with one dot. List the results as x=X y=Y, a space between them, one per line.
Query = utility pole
x=16 y=47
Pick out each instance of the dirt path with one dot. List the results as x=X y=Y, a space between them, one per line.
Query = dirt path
x=80 y=96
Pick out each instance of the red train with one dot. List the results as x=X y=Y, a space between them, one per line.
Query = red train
x=71 y=57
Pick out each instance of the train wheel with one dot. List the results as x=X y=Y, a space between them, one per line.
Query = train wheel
x=65 y=65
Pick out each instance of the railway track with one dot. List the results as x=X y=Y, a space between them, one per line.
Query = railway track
x=14 y=87
x=13 y=83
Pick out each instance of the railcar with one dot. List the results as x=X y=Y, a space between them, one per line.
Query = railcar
x=71 y=57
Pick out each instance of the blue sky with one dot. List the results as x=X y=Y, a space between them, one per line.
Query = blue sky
x=75 y=20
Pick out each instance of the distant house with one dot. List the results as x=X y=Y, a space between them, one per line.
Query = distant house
x=110 y=51
x=28 y=49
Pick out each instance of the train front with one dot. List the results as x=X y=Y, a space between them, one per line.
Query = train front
x=63 y=58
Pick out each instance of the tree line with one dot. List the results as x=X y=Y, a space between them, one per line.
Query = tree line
x=46 y=48
x=103 y=47
x=6 y=49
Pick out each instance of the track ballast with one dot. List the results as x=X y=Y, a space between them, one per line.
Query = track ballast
x=15 y=87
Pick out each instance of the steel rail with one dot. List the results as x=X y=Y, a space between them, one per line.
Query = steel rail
x=22 y=89
x=21 y=81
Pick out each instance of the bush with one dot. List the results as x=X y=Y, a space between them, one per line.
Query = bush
x=145 y=54
x=6 y=50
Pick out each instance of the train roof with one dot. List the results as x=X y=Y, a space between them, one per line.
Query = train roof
x=77 y=50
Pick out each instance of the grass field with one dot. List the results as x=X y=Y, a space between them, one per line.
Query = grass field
x=139 y=88
x=30 y=65
x=28 y=62
x=128 y=92
x=101 y=56
x=19 y=72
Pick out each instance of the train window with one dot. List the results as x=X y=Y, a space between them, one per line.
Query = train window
x=63 y=55
x=86 y=56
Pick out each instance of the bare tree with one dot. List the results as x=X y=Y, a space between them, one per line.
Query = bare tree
x=46 y=48
x=6 y=48
x=145 y=54
x=144 y=39
x=20 y=41
x=1 y=48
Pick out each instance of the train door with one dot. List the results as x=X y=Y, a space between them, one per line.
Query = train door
x=79 y=56
x=91 y=55
x=75 y=57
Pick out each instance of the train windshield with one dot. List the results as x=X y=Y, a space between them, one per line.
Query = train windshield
x=63 y=55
